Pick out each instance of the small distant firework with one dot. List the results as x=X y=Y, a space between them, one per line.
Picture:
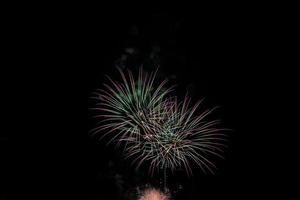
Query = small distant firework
x=153 y=194
x=156 y=128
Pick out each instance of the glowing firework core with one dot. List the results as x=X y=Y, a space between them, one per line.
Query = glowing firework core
x=153 y=194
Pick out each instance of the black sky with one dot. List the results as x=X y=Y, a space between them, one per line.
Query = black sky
x=229 y=56
x=222 y=56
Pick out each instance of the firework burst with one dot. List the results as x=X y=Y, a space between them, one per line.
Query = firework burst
x=155 y=128
x=126 y=107
x=180 y=137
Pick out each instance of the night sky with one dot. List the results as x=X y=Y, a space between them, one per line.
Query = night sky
x=227 y=56
x=212 y=55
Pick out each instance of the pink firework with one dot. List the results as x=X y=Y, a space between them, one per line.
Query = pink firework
x=153 y=194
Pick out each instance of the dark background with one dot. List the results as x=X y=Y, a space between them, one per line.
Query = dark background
x=231 y=56
x=222 y=55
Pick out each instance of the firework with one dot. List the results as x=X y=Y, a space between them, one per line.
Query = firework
x=129 y=105
x=155 y=128
x=180 y=137
x=153 y=194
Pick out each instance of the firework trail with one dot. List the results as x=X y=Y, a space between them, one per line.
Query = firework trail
x=127 y=107
x=153 y=194
x=158 y=129
x=180 y=137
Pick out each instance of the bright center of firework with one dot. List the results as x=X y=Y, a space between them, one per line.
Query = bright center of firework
x=169 y=134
